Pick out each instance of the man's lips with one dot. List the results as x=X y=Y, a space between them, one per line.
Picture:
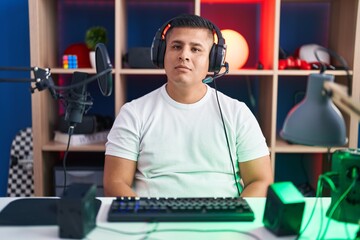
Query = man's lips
x=180 y=67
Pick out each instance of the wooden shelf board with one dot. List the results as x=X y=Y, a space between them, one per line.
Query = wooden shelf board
x=129 y=71
x=284 y=147
x=291 y=72
x=55 y=147
x=72 y=70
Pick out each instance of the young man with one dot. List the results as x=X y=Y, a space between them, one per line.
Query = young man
x=172 y=142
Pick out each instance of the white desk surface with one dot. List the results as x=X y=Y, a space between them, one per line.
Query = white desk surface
x=336 y=230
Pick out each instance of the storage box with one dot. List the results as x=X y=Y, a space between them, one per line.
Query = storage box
x=83 y=174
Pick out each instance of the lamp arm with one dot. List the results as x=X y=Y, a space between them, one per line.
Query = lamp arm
x=339 y=96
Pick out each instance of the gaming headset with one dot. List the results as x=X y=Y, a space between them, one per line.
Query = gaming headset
x=217 y=52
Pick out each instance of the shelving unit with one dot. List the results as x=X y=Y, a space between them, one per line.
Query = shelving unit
x=344 y=38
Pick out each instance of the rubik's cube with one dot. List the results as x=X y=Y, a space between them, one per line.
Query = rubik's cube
x=70 y=61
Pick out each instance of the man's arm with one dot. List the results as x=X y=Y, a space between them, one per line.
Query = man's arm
x=118 y=177
x=257 y=175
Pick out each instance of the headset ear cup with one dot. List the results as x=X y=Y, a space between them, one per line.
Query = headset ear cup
x=161 y=54
x=158 y=47
x=216 y=57
x=155 y=50
x=212 y=59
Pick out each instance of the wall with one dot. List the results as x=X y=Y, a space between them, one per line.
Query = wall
x=15 y=98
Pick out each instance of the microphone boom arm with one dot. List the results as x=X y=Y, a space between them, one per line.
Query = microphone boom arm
x=42 y=80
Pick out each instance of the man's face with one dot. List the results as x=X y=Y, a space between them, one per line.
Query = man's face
x=186 y=60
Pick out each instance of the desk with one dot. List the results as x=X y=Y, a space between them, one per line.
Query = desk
x=337 y=230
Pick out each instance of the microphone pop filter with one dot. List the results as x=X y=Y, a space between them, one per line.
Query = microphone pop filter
x=103 y=65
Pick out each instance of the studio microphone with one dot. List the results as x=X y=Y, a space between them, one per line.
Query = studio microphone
x=216 y=74
x=76 y=99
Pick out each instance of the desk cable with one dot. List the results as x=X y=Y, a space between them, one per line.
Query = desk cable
x=70 y=133
x=326 y=177
x=156 y=230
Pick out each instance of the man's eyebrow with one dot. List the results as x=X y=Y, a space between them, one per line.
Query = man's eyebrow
x=196 y=44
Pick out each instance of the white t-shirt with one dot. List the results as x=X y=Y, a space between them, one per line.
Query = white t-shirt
x=181 y=149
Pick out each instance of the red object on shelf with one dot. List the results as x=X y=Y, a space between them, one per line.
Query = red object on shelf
x=82 y=53
x=232 y=1
x=293 y=63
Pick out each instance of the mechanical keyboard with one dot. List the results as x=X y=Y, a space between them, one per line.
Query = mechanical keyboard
x=139 y=209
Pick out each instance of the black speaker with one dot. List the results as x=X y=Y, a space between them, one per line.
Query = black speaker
x=139 y=57
x=76 y=215
x=283 y=209
x=158 y=46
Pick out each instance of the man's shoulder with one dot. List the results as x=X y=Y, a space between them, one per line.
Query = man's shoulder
x=147 y=98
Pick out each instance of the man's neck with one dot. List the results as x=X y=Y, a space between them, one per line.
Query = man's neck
x=186 y=95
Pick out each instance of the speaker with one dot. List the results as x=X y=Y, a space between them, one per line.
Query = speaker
x=139 y=57
x=158 y=46
x=346 y=163
x=283 y=209
x=76 y=212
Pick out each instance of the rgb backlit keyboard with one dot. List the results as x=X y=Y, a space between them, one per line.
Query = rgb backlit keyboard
x=135 y=209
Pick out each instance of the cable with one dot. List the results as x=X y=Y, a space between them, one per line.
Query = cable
x=319 y=189
x=309 y=220
x=149 y=232
x=227 y=140
x=340 y=59
x=337 y=204
x=251 y=95
x=326 y=177
x=155 y=230
x=70 y=133
x=86 y=81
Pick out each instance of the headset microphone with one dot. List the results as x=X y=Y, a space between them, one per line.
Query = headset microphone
x=216 y=74
x=208 y=79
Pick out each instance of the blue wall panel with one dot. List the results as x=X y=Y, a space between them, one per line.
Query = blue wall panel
x=15 y=98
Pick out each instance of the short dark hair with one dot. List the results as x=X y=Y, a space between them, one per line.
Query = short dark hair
x=191 y=21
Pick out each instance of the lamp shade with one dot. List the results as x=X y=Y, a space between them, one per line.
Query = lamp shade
x=315 y=121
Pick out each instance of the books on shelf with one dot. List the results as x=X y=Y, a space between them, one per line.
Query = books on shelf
x=81 y=139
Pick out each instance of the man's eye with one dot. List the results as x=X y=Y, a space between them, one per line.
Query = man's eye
x=196 y=50
x=176 y=47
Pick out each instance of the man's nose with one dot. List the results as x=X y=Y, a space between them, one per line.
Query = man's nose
x=184 y=55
